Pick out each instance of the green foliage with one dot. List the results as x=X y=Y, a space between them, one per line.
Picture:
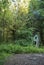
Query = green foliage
x=6 y=49
x=23 y=42
x=36 y=16
x=16 y=48
x=18 y=26
x=6 y=19
x=3 y=56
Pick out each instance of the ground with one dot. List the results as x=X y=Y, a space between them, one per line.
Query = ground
x=25 y=59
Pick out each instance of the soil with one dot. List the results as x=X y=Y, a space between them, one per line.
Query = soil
x=25 y=59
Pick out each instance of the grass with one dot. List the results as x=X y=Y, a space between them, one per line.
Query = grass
x=16 y=48
x=3 y=55
x=8 y=49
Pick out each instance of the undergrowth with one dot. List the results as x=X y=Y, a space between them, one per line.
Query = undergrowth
x=8 y=49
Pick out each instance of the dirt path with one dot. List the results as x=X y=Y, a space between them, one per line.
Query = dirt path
x=25 y=59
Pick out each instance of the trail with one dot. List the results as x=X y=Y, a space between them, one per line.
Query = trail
x=25 y=59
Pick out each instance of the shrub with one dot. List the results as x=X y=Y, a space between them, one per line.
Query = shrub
x=23 y=42
x=16 y=48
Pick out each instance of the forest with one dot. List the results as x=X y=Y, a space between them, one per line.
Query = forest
x=21 y=27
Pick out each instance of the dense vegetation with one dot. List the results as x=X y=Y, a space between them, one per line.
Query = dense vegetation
x=20 y=20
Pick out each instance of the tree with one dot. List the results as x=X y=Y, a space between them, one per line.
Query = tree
x=36 y=16
x=6 y=18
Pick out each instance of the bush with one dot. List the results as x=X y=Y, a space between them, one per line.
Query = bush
x=23 y=42
x=16 y=48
